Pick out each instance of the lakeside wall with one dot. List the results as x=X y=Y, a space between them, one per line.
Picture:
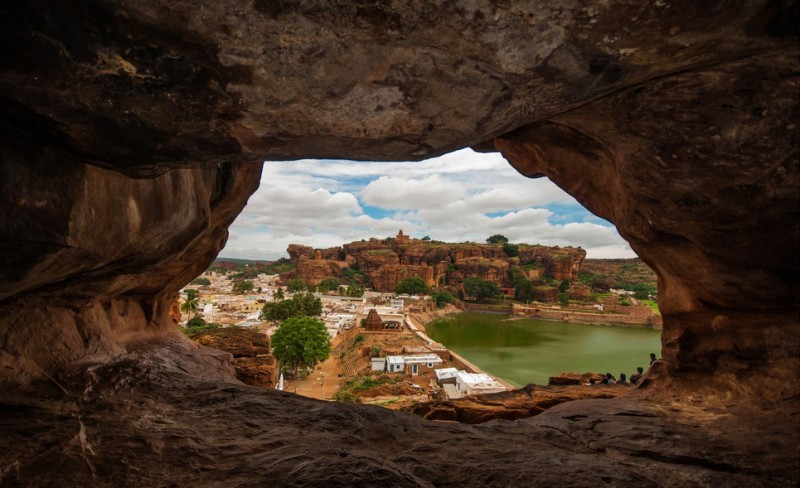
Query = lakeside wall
x=569 y=316
x=649 y=320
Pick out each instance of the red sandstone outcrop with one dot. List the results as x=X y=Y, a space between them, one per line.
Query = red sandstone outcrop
x=297 y=251
x=313 y=271
x=512 y=405
x=252 y=360
x=389 y=261
x=491 y=269
x=388 y=276
x=175 y=310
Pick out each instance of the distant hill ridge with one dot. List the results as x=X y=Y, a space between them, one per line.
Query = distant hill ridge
x=386 y=262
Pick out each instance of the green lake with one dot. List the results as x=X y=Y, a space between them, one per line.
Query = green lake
x=530 y=351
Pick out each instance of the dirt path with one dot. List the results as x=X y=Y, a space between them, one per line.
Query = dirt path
x=323 y=382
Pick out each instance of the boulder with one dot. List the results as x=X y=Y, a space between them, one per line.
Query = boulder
x=252 y=360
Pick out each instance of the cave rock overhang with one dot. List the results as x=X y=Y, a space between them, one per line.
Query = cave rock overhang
x=129 y=134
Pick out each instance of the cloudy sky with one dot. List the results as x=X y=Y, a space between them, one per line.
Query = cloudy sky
x=461 y=196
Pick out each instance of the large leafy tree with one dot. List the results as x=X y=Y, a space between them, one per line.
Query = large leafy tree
x=302 y=304
x=328 y=284
x=191 y=303
x=480 y=288
x=497 y=239
x=412 y=286
x=301 y=342
x=243 y=286
x=442 y=297
x=355 y=290
x=511 y=250
x=296 y=284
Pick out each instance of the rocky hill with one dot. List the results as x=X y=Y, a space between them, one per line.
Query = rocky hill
x=629 y=274
x=386 y=262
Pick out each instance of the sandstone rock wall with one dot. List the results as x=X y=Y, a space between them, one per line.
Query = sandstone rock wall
x=99 y=254
x=313 y=271
x=389 y=261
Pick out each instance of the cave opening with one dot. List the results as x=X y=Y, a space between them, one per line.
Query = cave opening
x=459 y=198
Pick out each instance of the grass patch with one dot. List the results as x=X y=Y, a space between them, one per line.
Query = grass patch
x=652 y=304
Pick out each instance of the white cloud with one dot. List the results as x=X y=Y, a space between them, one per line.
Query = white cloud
x=461 y=196
x=398 y=193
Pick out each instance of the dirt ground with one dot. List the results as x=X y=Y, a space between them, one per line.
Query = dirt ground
x=323 y=382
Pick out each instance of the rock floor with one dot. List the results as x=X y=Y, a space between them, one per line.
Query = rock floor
x=146 y=419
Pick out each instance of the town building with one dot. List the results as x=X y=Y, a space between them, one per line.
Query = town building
x=416 y=363
x=477 y=384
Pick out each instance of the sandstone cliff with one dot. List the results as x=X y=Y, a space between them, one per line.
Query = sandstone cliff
x=389 y=261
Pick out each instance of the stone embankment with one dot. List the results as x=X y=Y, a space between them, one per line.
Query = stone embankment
x=582 y=317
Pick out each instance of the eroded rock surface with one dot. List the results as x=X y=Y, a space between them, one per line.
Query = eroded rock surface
x=512 y=405
x=148 y=419
x=252 y=360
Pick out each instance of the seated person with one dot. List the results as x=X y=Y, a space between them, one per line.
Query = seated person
x=636 y=377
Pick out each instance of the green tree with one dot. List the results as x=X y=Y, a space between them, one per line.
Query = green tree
x=563 y=286
x=302 y=304
x=278 y=311
x=355 y=290
x=301 y=342
x=412 y=286
x=523 y=290
x=497 y=239
x=426 y=238
x=197 y=325
x=563 y=298
x=442 y=297
x=191 y=303
x=511 y=250
x=480 y=288
x=296 y=284
x=308 y=304
x=278 y=294
x=241 y=287
x=201 y=281
x=641 y=295
x=328 y=284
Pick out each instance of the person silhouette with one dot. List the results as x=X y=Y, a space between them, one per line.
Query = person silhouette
x=637 y=376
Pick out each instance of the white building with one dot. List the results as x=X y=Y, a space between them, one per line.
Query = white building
x=395 y=364
x=446 y=375
x=378 y=364
x=417 y=363
x=476 y=384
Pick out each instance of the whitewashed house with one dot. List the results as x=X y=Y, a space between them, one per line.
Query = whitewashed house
x=477 y=384
x=446 y=375
x=378 y=364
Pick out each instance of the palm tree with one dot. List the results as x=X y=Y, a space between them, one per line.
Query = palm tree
x=191 y=303
x=278 y=294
